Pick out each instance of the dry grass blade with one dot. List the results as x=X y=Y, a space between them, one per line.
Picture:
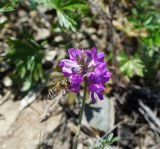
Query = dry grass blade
x=5 y=97
x=150 y=117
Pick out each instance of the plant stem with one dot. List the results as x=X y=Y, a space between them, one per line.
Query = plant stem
x=80 y=119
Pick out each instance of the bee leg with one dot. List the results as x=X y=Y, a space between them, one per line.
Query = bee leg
x=63 y=92
x=68 y=90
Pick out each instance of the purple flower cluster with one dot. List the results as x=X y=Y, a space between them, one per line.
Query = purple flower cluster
x=87 y=66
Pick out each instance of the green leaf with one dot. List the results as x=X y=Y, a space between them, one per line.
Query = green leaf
x=130 y=66
x=65 y=21
x=72 y=5
x=27 y=55
x=26 y=85
x=115 y=139
x=109 y=138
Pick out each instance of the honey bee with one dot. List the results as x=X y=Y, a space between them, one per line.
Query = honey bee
x=60 y=89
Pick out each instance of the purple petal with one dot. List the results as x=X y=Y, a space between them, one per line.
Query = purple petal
x=89 y=75
x=73 y=53
x=75 y=87
x=66 y=71
x=100 y=95
x=93 y=79
x=93 y=98
x=76 y=79
x=96 y=87
x=100 y=69
x=67 y=63
x=94 y=54
x=76 y=69
x=67 y=66
x=91 y=64
x=94 y=51
x=106 y=76
x=100 y=56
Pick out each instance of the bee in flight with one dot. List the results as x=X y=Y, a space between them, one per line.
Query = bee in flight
x=60 y=89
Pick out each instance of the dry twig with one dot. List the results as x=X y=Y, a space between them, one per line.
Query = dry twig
x=5 y=97
x=150 y=117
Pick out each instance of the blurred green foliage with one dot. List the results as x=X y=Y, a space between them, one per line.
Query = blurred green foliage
x=146 y=15
x=145 y=62
x=26 y=55
x=7 y=5
x=67 y=11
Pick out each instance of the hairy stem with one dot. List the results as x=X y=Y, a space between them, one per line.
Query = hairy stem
x=80 y=119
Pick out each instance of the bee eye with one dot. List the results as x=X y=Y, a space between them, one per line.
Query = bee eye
x=66 y=80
